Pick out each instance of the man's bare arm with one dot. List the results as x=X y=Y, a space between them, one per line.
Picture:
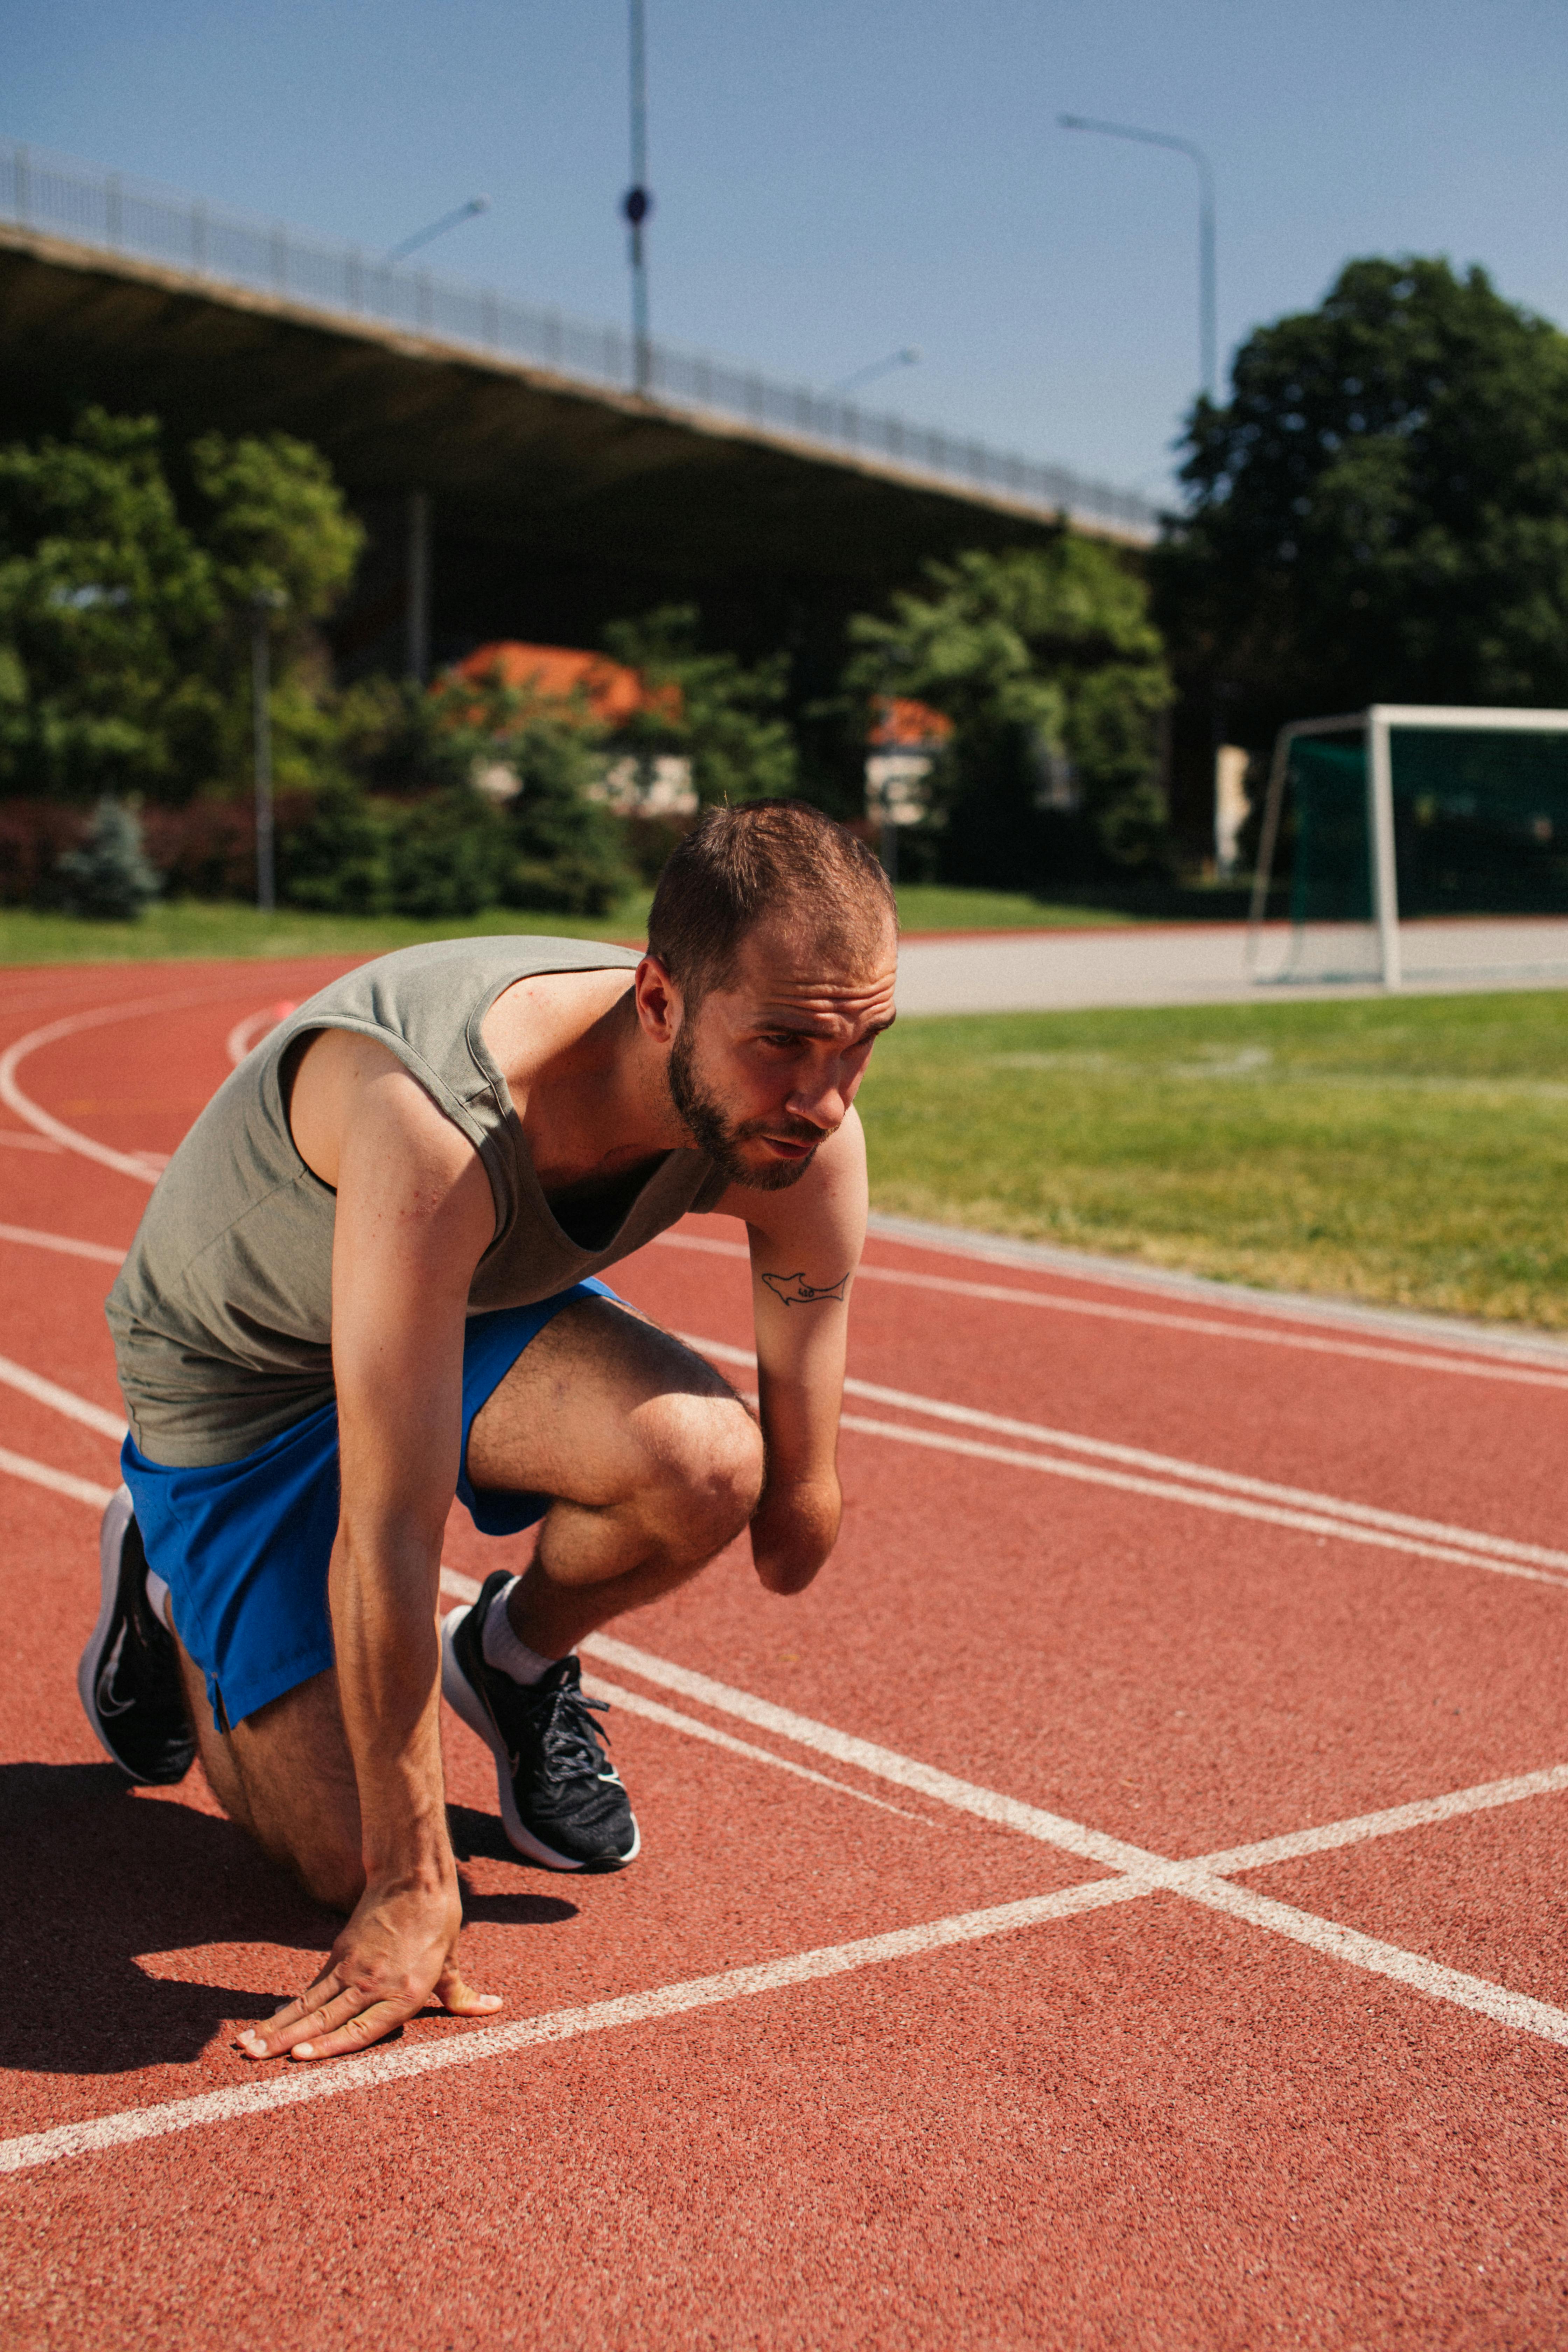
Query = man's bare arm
x=414 y=1214
x=805 y=1244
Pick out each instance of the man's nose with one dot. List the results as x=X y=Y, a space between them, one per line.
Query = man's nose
x=822 y=1099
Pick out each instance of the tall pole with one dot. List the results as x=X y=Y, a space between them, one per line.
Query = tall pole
x=260 y=686
x=637 y=202
x=417 y=616
x=1208 y=333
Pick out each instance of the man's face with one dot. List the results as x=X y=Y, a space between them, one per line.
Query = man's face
x=764 y=1069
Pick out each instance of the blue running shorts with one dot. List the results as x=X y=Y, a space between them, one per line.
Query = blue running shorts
x=244 y=1546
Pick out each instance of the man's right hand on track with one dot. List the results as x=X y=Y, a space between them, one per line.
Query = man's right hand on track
x=399 y=1947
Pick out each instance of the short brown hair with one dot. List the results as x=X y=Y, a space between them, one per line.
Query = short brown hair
x=738 y=865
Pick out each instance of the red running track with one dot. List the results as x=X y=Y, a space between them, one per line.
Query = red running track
x=1120 y=1905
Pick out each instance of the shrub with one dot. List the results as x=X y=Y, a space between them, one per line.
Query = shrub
x=334 y=857
x=450 y=855
x=109 y=877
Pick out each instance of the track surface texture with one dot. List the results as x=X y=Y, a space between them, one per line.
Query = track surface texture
x=1120 y=1905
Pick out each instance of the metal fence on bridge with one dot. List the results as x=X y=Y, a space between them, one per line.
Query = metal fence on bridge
x=127 y=216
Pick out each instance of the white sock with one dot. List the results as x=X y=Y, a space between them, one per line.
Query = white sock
x=501 y=1647
x=158 y=1597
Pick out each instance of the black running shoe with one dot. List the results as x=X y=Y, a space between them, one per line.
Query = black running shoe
x=128 y=1677
x=561 y=1798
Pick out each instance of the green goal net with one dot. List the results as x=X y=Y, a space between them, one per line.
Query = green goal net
x=1416 y=843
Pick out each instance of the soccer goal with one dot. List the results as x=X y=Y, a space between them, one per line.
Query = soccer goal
x=1423 y=841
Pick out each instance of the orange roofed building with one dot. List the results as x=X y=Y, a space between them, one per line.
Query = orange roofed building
x=564 y=674
x=613 y=693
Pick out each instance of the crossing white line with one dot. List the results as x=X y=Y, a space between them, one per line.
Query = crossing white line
x=1392 y=1822
x=291 y=2084
x=1136 y=1873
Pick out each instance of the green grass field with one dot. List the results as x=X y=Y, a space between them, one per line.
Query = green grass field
x=189 y=928
x=1413 y=1152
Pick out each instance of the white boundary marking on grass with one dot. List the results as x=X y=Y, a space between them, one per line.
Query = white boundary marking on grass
x=33 y=1239
x=1413 y=1358
x=146 y=1167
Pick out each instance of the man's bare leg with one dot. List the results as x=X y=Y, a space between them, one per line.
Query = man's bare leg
x=654 y=1461
x=655 y=1465
x=286 y=1777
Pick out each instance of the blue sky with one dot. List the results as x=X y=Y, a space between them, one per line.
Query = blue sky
x=837 y=178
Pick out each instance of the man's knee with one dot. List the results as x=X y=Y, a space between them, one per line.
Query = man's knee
x=703 y=1468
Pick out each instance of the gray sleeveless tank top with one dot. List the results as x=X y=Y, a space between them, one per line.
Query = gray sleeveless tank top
x=222 y=1312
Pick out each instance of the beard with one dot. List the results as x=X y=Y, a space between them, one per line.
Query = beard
x=721 y=1138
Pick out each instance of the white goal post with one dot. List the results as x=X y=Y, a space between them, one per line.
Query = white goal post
x=1377 y=726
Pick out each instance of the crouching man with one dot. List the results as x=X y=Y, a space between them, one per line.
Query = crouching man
x=367 y=1282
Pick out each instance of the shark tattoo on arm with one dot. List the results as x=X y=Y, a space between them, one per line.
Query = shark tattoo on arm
x=795 y=1291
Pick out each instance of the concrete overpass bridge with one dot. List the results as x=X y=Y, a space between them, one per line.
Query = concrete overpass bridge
x=513 y=481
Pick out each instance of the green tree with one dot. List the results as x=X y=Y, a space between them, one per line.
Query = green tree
x=125 y=610
x=1380 y=513
x=108 y=605
x=709 y=708
x=1048 y=663
x=565 y=850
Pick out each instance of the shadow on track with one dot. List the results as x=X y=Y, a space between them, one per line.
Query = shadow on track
x=97 y=1875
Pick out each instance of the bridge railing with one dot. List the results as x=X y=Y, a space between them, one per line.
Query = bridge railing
x=127 y=216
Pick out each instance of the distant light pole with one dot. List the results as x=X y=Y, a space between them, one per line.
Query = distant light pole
x=1208 y=340
x=906 y=358
x=637 y=204
x=436 y=228
x=263 y=607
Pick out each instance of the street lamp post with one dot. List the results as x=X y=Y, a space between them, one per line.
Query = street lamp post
x=435 y=228
x=908 y=357
x=1208 y=338
x=637 y=204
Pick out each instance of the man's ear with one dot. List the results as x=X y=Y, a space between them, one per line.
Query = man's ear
x=658 y=1001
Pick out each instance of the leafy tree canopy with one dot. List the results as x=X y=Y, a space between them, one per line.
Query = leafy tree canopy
x=1048 y=663
x=1381 y=512
x=723 y=716
x=124 y=621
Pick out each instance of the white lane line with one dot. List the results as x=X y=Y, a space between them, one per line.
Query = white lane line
x=292 y=2085
x=1140 y=1873
x=1201 y=1498
x=28 y=1142
x=33 y=1239
x=145 y=1166
x=1392 y=1822
x=635 y=1703
x=1196 y=1881
x=463 y=1588
x=1205 y=1489
x=1415 y=1358
x=249 y=1033
x=59 y=1482
x=65 y=1401
x=1199 y=1473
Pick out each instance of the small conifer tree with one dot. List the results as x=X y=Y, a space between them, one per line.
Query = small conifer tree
x=109 y=877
